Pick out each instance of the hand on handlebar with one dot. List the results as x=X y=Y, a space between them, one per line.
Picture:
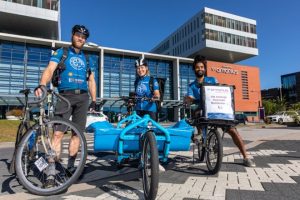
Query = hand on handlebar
x=38 y=91
x=92 y=107
x=155 y=98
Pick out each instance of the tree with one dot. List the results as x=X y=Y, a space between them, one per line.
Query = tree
x=295 y=106
x=270 y=106
x=281 y=104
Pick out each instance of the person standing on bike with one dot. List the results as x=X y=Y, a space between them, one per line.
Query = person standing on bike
x=74 y=85
x=194 y=91
x=143 y=90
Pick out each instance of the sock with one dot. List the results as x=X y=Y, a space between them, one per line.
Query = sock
x=71 y=161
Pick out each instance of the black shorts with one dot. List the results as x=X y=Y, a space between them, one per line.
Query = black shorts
x=227 y=128
x=78 y=111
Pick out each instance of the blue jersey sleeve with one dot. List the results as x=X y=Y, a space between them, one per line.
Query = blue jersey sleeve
x=57 y=55
x=155 y=85
x=216 y=81
x=190 y=92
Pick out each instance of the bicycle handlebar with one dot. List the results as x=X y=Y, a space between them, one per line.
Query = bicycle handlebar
x=126 y=98
x=44 y=95
x=42 y=98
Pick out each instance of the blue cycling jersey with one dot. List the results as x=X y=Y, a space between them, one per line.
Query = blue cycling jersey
x=194 y=89
x=74 y=76
x=143 y=90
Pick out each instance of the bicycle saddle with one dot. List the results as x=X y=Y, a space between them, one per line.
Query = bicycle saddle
x=25 y=91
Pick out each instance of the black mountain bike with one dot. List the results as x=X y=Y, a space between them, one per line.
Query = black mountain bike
x=37 y=161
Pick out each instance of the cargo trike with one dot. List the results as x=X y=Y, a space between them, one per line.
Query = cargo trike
x=144 y=139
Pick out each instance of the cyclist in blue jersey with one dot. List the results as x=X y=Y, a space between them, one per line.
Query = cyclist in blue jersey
x=194 y=91
x=74 y=84
x=142 y=89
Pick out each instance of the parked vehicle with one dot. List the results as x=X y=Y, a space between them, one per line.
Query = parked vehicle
x=297 y=118
x=95 y=117
x=241 y=118
x=283 y=117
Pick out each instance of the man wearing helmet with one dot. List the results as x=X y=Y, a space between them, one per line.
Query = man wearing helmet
x=74 y=85
x=194 y=90
x=142 y=89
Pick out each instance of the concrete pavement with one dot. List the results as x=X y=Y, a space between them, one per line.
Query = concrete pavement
x=275 y=151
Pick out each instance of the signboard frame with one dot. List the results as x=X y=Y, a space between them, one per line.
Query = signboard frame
x=218 y=102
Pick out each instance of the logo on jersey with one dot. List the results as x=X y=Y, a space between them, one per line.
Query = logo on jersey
x=77 y=63
x=141 y=90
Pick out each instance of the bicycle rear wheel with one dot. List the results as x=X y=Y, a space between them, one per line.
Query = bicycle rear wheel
x=37 y=163
x=150 y=169
x=214 y=151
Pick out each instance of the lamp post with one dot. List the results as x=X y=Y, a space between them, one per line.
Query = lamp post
x=258 y=102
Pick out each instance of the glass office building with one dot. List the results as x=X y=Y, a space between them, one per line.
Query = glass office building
x=35 y=18
x=119 y=74
x=218 y=35
x=23 y=59
x=290 y=87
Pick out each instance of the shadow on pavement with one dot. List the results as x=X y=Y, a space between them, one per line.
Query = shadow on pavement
x=7 y=182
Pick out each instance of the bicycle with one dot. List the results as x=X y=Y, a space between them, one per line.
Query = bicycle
x=208 y=140
x=134 y=138
x=36 y=160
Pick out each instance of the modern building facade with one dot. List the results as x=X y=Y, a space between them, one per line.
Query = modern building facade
x=247 y=94
x=271 y=94
x=25 y=54
x=23 y=59
x=290 y=84
x=35 y=18
x=217 y=35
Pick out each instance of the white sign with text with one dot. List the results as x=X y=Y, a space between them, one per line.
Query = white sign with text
x=218 y=102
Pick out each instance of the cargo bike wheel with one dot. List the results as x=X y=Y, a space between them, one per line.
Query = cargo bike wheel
x=214 y=151
x=150 y=162
x=37 y=163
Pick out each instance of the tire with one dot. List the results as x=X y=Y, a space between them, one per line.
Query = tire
x=297 y=122
x=214 y=151
x=150 y=169
x=29 y=153
x=201 y=151
x=280 y=121
x=22 y=129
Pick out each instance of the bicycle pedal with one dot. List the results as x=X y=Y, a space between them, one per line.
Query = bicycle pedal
x=49 y=183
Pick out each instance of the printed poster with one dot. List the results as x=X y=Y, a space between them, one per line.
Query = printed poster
x=218 y=102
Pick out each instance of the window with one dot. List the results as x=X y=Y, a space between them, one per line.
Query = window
x=245 y=90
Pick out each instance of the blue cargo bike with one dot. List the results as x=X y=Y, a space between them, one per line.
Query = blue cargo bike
x=140 y=138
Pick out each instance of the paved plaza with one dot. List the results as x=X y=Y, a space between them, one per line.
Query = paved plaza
x=275 y=151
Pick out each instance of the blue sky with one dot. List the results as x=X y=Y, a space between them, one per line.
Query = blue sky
x=141 y=24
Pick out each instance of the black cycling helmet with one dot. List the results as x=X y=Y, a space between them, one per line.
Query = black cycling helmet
x=81 y=29
x=141 y=61
x=199 y=58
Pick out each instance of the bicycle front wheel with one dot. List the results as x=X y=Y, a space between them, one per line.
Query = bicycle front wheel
x=214 y=151
x=43 y=169
x=150 y=170
x=22 y=129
